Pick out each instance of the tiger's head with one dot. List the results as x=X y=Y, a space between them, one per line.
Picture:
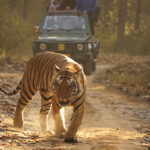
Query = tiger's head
x=66 y=85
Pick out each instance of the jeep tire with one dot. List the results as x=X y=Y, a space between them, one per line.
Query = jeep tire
x=93 y=65
x=87 y=67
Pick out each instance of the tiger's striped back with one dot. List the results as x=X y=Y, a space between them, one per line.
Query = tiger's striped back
x=39 y=70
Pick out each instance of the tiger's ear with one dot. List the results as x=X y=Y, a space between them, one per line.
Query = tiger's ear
x=57 y=69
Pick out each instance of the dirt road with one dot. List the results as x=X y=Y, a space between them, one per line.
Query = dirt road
x=112 y=121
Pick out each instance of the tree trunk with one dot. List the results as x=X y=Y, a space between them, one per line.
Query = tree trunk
x=44 y=5
x=105 y=7
x=12 y=5
x=24 y=9
x=137 y=17
x=122 y=7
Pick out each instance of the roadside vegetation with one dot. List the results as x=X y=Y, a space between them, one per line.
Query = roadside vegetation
x=129 y=74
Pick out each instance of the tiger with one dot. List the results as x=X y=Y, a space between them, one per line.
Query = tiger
x=61 y=82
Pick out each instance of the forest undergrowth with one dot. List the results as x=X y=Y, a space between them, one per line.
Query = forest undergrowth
x=129 y=74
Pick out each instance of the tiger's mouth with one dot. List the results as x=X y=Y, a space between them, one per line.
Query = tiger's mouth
x=64 y=103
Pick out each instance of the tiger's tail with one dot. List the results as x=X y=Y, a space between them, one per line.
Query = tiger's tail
x=12 y=92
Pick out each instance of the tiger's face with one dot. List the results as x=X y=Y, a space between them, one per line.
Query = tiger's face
x=65 y=87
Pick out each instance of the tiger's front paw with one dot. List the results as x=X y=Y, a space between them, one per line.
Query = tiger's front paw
x=47 y=133
x=60 y=134
x=18 y=120
x=70 y=139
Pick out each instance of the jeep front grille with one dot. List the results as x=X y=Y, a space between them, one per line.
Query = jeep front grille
x=67 y=46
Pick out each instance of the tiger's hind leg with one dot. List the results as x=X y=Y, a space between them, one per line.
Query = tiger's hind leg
x=46 y=99
x=24 y=99
x=59 y=126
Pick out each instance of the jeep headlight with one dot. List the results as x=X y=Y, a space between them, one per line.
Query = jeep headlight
x=80 y=47
x=42 y=46
x=89 y=46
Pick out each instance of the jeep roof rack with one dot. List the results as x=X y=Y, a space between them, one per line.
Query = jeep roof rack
x=70 y=12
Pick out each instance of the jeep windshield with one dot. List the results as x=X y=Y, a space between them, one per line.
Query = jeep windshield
x=64 y=23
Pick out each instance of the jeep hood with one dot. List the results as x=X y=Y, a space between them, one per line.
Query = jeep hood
x=64 y=37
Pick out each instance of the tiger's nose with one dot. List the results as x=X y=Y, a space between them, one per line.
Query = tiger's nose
x=63 y=101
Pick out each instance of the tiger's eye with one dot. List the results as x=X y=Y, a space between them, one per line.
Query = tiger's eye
x=72 y=85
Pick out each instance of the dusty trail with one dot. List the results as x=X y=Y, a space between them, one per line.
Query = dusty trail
x=112 y=121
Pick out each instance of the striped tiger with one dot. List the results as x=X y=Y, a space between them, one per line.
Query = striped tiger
x=61 y=82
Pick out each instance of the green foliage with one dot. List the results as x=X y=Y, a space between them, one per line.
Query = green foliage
x=16 y=33
x=136 y=42
x=107 y=39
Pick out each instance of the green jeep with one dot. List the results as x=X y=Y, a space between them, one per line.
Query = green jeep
x=68 y=33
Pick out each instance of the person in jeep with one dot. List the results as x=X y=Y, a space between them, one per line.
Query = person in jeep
x=63 y=4
x=87 y=7
x=54 y=3
x=67 y=5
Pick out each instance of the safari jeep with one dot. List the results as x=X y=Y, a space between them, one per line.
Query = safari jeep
x=68 y=33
